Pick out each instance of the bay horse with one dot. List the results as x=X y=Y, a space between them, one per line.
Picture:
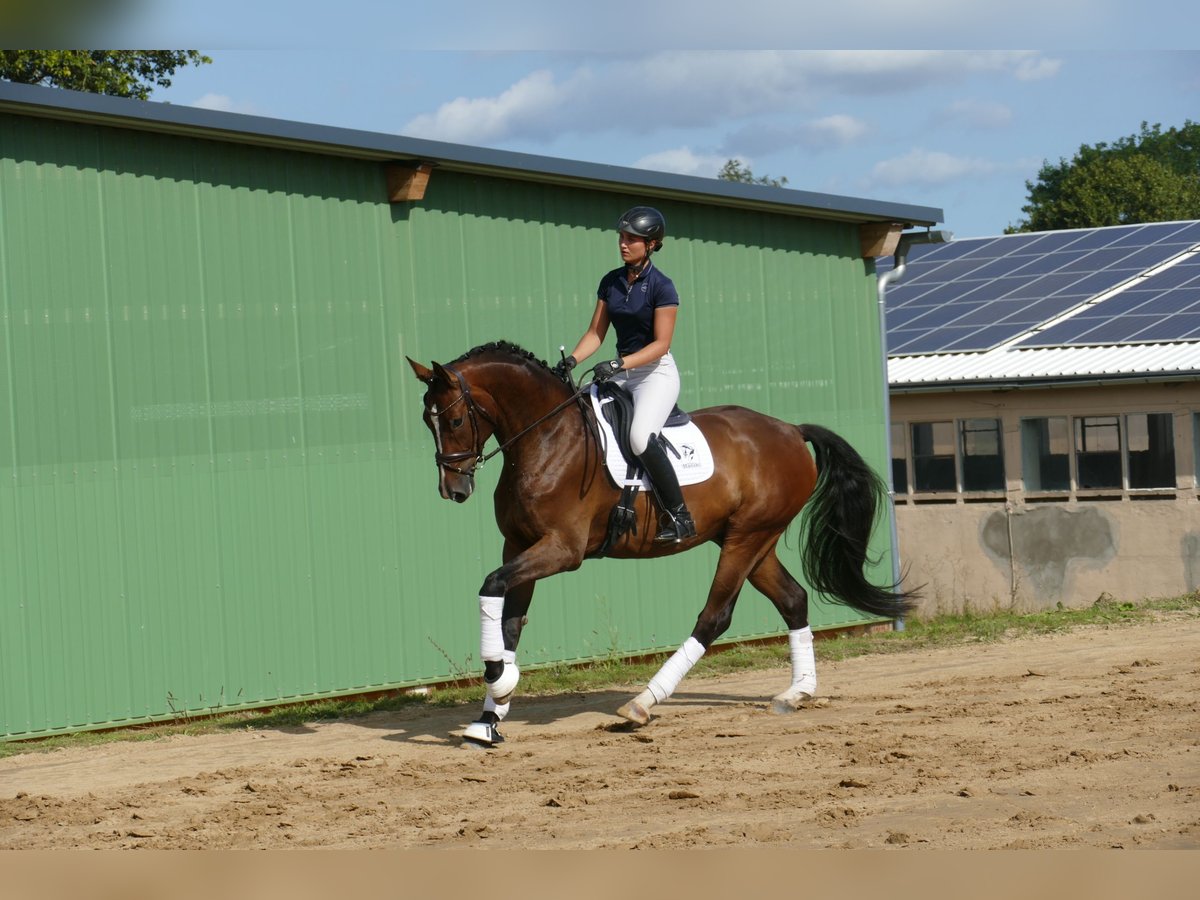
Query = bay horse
x=553 y=502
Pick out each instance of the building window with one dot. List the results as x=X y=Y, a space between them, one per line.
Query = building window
x=933 y=456
x=1046 y=454
x=899 y=460
x=982 y=456
x=1133 y=451
x=1098 y=451
x=1151 y=439
x=1196 y=450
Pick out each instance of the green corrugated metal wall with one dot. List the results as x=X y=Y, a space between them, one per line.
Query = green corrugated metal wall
x=216 y=488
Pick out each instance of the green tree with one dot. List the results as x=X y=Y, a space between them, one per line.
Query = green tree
x=119 y=73
x=1151 y=176
x=1125 y=190
x=734 y=170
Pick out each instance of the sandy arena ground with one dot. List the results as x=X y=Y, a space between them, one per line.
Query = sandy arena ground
x=1087 y=739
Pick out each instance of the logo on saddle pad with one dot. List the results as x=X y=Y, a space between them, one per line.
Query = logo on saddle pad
x=693 y=464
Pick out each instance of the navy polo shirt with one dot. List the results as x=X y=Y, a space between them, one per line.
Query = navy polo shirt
x=631 y=306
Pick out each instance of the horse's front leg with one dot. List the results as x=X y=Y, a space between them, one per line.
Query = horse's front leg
x=504 y=601
x=501 y=675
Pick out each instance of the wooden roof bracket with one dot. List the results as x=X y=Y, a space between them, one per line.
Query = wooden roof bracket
x=406 y=181
x=879 y=238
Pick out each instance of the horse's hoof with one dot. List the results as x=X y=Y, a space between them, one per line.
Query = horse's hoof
x=782 y=705
x=635 y=713
x=482 y=734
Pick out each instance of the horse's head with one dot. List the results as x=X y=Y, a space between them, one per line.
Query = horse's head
x=459 y=426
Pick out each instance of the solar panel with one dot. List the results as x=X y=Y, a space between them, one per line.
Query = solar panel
x=1176 y=328
x=975 y=294
x=1144 y=235
x=1051 y=262
x=1094 y=239
x=1158 y=307
x=898 y=318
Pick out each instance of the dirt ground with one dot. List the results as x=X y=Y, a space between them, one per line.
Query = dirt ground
x=1088 y=739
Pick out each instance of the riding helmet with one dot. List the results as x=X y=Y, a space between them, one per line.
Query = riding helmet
x=644 y=221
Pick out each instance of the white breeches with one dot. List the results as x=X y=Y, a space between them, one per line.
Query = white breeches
x=655 y=389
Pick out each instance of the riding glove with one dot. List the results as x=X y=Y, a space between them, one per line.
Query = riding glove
x=608 y=369
x=563 y=368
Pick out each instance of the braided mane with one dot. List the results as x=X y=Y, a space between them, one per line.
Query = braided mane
x=504 y=347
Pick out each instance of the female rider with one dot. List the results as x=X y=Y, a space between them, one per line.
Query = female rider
x=641 y=303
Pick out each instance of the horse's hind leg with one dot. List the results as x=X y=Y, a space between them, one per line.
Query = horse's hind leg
x=776 y=582
x=738 y=558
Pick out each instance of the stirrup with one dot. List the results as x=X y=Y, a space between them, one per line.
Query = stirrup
x=679 y=528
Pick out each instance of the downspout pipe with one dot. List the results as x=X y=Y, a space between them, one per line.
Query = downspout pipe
x=886 y=280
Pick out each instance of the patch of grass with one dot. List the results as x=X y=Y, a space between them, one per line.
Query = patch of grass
x=615 y=673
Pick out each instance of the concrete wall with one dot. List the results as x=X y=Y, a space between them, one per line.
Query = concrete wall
x=1032 y=550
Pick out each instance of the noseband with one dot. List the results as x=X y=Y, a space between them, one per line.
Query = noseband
x=474 y=413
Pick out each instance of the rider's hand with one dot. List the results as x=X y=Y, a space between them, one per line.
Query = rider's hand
x=608 y=369
x=563 y=368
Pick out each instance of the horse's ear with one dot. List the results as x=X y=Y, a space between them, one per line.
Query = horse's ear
x=440 y=373
x=426 y=375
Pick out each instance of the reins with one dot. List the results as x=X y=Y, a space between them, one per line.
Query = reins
x=445 y=459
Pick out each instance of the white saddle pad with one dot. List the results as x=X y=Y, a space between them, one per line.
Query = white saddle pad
x=694 y=464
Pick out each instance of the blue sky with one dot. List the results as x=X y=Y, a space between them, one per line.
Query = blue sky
x=671 y=88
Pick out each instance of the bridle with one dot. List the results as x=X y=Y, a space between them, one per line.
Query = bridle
x=475 y=412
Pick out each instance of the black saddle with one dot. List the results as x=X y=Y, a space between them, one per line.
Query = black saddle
x=619 y=414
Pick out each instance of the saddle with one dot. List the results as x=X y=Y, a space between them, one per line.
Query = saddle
x=617 y=409
x=619 y=414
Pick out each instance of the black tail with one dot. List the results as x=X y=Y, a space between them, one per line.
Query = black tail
x=840 y=516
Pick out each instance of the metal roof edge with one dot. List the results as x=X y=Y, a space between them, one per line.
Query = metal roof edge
x=192 y=121
x=1013 y=367
x=1034 y=383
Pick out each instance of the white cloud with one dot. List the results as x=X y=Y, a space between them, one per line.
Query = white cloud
x=1037 y=68
x=975 y=114
x=763 y=138
x=930 y=168
x=223 y=103
x=692 y=89
x=523 y=108
x=683 y=161
x=836 y=131
x=546 y=24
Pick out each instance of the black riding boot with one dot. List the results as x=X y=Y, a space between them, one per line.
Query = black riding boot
x=666 y=487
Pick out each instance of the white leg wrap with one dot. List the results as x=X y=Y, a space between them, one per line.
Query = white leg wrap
x=804 y=673
x=804 y=663
x=491 y=649
x=502 y=688
x=491 y=639
x=663 y=684
x=500 y=709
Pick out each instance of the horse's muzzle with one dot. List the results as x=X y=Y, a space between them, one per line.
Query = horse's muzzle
x=456 y=487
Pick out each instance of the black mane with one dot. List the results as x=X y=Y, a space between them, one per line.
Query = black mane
x=504 y=347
